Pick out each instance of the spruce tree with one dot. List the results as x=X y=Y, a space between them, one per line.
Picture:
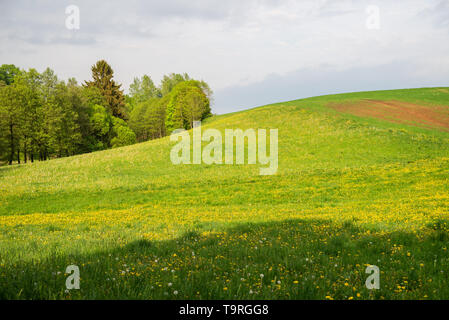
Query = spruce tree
x=102 y=75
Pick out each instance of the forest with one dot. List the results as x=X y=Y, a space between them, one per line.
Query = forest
x=43 y=117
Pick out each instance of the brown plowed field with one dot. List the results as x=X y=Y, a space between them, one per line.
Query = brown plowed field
x=399 y=112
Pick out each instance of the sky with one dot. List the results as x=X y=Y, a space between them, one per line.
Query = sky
x=251 y=52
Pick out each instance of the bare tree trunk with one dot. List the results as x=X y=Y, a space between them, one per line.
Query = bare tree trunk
x=25 y=151
x=11 y=132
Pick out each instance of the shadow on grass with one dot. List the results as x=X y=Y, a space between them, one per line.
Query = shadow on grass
x=294 y=259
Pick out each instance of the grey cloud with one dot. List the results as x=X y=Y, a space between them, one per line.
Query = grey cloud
x=224 y=41
x=69 y=39
x=439 y=13
x=334 y=8
x=132 y=18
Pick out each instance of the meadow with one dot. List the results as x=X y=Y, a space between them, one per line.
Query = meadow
x=350 y=191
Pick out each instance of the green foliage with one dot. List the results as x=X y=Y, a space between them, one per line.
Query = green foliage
x=28 y=86
x=137 y=121
x=7 y=73
x=147 y=119
x=155 y=118
x=170 y=81
x=123 y=135
x=63 y=128
x=92 y=96
x=101 y=124
x=11 y=118
x=102 y=75
x=81 y=100
x=187 y=103
x=142 y=90
x=42 y=117
x=176 y=104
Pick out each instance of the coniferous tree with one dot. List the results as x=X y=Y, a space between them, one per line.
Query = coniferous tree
x=102 y=75
x=42 y=117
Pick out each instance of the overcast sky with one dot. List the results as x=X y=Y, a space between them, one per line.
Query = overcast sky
x=250 y=52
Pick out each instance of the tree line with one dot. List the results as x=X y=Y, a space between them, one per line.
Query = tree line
x=43 y=117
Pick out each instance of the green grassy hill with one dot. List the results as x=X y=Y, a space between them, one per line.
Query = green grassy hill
x=363 y=179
